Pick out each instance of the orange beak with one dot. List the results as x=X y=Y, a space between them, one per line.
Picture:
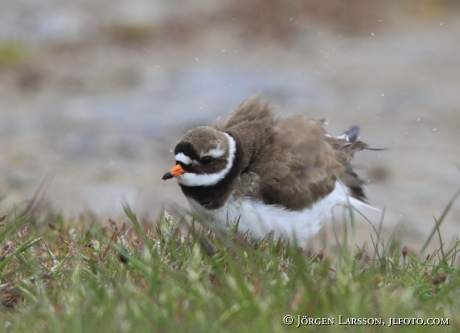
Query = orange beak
x=174 y=172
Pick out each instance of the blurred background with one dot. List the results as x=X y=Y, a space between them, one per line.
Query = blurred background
x=94 y=95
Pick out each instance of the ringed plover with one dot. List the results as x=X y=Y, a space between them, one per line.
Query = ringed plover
x=267 y=173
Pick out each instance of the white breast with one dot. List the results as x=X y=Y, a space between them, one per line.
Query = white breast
x=260 y=219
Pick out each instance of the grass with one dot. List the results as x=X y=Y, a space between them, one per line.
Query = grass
x=79 y=275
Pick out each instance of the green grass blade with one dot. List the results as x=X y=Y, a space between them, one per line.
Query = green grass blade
x=438 y=223
x=23 y=247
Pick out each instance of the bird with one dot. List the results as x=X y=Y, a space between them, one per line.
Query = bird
x=267 y=173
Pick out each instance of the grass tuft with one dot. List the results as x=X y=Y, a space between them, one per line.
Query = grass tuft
x=141 y=275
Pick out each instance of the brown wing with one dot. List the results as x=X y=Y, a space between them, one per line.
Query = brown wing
x=289 y=162
x=299 y=167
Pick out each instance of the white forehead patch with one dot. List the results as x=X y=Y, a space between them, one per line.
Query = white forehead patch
x=183 y=158
x=193 y=179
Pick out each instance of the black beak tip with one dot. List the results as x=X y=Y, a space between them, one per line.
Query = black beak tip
x=167 y=175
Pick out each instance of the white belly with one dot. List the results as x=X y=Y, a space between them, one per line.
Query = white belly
x=260 y=219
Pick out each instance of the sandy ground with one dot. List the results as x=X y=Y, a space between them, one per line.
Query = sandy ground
x=104 y=92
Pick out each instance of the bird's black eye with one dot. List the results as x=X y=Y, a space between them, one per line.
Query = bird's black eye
x=206 y=160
